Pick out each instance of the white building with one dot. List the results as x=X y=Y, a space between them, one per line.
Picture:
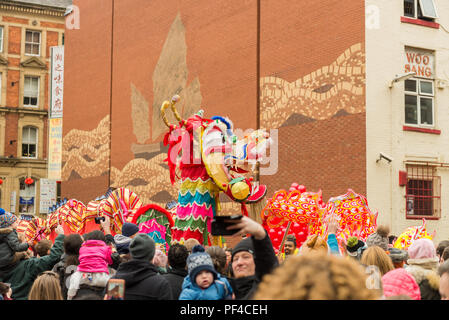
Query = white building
x=408 y=119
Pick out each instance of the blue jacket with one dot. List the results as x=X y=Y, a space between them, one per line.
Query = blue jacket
x=333 y=244
x=220 y=289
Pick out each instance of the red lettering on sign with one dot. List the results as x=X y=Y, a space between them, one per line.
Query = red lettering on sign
x=410 y=57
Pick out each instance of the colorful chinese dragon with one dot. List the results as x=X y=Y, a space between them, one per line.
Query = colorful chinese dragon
x=210 y=159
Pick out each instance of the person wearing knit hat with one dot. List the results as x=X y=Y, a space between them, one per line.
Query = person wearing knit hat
x=423 y=266
x=142 y=247
x=355 y=247
x=9 y=239
x=142 y=280
x=6 y=219
x=398 y=257
x=122 y=243
x=244 y=245
x=251 y=259
x=129 y=230
x=398 y=282
x=379 y=238
x=203 y=281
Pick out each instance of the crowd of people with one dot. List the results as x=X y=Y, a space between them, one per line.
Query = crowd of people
x=84 y=267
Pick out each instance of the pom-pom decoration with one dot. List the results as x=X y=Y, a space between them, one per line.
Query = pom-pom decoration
x=198 y=248
x=29 y=181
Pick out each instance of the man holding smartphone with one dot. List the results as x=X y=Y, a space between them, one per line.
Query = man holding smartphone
x=252 y=258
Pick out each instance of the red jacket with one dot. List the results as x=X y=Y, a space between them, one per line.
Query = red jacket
x=95 y=256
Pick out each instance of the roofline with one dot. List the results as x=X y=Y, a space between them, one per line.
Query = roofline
x=32 y=8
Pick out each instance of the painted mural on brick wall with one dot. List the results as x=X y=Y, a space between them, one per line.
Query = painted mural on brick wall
x=333 y=90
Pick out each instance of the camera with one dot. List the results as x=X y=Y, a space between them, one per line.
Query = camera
x=385 y=157
x=99 y=219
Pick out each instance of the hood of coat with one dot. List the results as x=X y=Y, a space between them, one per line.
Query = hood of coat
x=4 y=232
x=427 y=263
x=420 y=274
x=134 y=271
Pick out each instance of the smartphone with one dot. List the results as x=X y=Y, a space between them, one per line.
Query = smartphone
x=116 y=289
x=219 y=225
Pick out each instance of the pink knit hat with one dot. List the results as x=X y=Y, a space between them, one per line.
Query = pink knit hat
x=398 y=281
x=422 y=249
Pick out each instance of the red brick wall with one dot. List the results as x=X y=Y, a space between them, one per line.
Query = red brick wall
x=297 y=37
x=52 y=40
x=12 y=92
x=11 y=132
x=221 y=52
x=15 y=36
x=15 y=20
x=327 y=155
x=85 y=190
x=87 y=84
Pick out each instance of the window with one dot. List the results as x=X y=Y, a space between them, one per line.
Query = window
x=29 y=142
x=423 y=192
x=420 y=9
x=27 y=196
x=1 y=39
x=31 y=91
x=32 y=43
x=419 y=100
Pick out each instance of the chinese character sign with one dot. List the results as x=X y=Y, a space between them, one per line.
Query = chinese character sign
x=57 y=81
x=55 y=149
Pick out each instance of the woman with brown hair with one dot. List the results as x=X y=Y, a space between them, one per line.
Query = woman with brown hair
x=376 y=256
x=316 y=276
x=314 y=243
x=218 y=256
x=46 y=287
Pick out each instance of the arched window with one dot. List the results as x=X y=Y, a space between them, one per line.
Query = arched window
x=29 y=142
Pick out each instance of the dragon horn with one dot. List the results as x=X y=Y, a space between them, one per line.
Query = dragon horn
x=171 y=104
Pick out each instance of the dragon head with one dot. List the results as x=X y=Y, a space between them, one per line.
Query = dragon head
x=213 y=144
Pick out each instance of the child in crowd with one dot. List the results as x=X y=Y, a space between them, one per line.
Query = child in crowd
x=9 y=240
x=5 y=291
x=94 y=258
x=46 y=287
x=203 y=281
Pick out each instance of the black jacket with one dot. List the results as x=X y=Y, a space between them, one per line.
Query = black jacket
x=265 y=261
x=9 y=245
x=142 y=282
x=175 y=278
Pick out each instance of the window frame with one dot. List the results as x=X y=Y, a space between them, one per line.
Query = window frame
x=33 y=43
x=27 y=96
x=434 y=8
x=418 y=95
x=415 y=173
x=29 y=143
x=2 y=36
x=417 y=9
